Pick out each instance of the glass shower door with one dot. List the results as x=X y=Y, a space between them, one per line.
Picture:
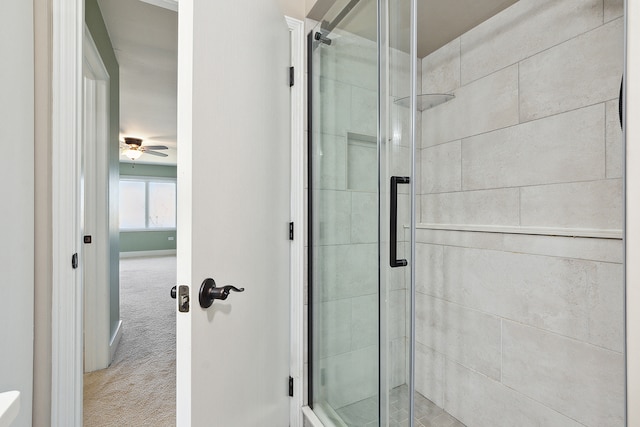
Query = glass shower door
x=360 y=137
x=343 y=259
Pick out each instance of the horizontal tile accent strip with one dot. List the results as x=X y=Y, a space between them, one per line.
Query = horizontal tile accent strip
x=538 y=231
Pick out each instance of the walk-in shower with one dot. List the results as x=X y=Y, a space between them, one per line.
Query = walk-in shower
x=465 y=242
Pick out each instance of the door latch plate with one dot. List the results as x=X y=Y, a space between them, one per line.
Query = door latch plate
x=183 y=299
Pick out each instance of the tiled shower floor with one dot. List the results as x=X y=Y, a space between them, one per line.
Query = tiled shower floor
x=427 y=414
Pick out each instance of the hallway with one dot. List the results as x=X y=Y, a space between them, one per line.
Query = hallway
x=139 y=386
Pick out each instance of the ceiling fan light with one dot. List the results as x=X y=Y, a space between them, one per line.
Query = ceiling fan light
x=132 y=154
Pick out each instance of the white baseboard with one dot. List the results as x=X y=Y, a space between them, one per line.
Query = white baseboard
x=135 y=254
x=115 y=341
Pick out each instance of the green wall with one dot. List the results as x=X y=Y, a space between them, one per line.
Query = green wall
x=136 y=241
x=158 y=171
x=98 y=30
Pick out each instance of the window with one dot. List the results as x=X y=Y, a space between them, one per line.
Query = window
x=147 y=203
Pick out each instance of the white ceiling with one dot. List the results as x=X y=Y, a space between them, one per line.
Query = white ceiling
x=145 y=40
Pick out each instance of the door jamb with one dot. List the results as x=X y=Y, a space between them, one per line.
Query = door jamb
x=66 y=156
x=296 y=29
x=99 y=348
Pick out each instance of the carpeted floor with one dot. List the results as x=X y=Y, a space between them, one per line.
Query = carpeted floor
x=139 y=388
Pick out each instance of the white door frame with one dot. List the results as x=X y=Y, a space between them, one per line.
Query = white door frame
x=99 y=346
x=67 y=295
x=66 y=158
x=296 y=28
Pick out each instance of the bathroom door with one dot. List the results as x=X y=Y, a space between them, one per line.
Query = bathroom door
x=233 y=212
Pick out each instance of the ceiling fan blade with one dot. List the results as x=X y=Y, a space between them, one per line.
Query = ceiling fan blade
x=154 y=147
x=155 y=153
x=163 y=138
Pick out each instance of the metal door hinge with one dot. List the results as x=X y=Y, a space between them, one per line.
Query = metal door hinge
x=291 y=76
x=290 y=386
x=291 y=231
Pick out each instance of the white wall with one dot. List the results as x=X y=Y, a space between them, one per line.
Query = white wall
x=17 y=194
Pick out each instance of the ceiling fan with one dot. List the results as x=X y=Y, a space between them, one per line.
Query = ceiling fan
x=133 y=148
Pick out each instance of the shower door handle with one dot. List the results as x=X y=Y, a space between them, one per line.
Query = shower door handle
x=393 y=226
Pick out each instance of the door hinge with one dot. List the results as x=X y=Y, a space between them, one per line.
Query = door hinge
x=291 y=76
x=291 y=231
x=290 y=386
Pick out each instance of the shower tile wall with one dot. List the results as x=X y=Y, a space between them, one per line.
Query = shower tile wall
x=524 y=329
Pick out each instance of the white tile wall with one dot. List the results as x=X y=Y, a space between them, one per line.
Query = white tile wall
x=522 y=30
x=441 y=168
x=583 y=71
x=606 y=307
x=441 y=69
x=613 y=9
x=552 y=293
x=364 y=111
x=362 y=172
x=352 y=376
x=593 y=204
x=482 y=106
x=563 y=148
x=364 y=218
x=333 y=210
x=574 y=378
x=430 y=269
x=524 y=329
x=363 y=322
x=467 y=336
x=334 y=320
x=345 y=271
x=477 y=400
x=331 y=164
x=498 y=207
x=333 y=119
x=430 y=378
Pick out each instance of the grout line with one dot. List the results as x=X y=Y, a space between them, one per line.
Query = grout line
x=520 y=206
x=495 y=249
x=605 y=140
x=501 y=349
x=518 y=89
x=546 y=184
x=460 y=61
